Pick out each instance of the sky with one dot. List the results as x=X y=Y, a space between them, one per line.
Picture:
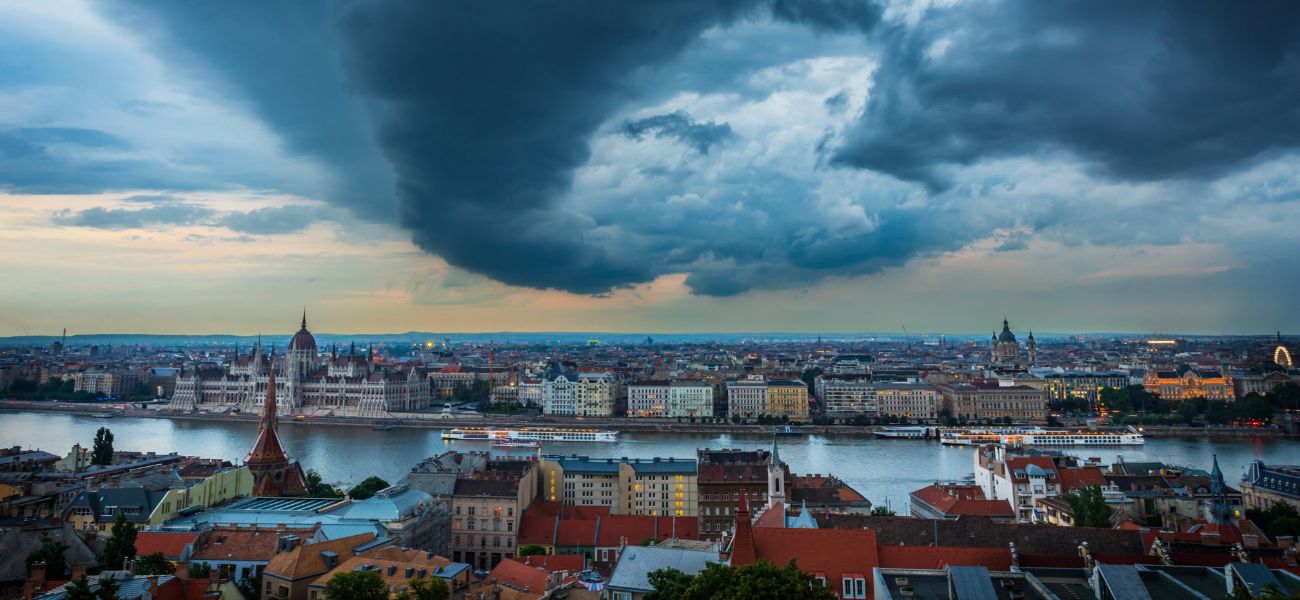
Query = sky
x=658 y=166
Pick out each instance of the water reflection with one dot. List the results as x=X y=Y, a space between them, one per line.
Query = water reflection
x=884 y=470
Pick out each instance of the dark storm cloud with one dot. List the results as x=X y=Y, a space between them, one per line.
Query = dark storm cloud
x=274 y=220
x=1140 y=91
x=117 y=218
x=486 y=114
x=283 y=58
x=679 y=125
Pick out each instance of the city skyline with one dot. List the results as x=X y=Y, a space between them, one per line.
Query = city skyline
x=750 y=166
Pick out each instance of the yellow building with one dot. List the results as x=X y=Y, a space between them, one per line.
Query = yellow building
x=219 y=488
x=787 y=399
x=652 y=487
x=1187 y=383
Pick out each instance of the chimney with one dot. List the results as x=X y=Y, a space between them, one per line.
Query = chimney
x=35 y=582
x=287 y=543
x=330 y=559
x=78 y=571
x=153 y=586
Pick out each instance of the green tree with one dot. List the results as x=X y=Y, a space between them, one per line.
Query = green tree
x=54 y=554
x=317 y=488
x=102 y=451
x=532 y=550
x=356 y=585
x=121 y=544
x=426 y=589
x=79 y=589
x=1187 y=411
x=107 y=589
x=1252 y=407
x=1217 y=412
x=1285 y=396
x=202 y=570
x=367 y=488
x=881 y=510
x=250 y=587
x=809 y=378
x=759 y=581
x=154 y=564
x=668 y=584
x=1089 y=507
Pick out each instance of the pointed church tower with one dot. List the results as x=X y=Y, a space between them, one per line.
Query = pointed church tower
x=273 y=473
x=775 y=478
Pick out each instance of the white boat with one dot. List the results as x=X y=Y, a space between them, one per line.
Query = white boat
x=1038 y=436
x=515 y=444
x=907 y=432
x=536 y=434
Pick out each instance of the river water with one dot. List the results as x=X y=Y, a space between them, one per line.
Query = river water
x=884 y=470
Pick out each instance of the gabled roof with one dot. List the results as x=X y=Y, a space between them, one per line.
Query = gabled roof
x=171 y=544
x=305 y=560
x=632 y=573
x=931 y=557
x=958 y=500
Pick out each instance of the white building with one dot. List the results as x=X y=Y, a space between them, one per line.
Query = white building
x=306 y=383
x=600 y=394
x=647 y=399
x=747 y=397
x=690 y=398
x=560 y=395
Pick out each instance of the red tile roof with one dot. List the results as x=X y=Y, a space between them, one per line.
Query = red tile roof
x=1021 y=463
x=960 y=500
x=594 y=526
x=930 y=557
x=1075 y=478
x=170 y=544
x=555 y=562
x=517 y=574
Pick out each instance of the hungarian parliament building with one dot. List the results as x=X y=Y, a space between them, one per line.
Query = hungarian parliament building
x=306 y=383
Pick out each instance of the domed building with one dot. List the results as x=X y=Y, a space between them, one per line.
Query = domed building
x=1006 y=349
x=307 y=382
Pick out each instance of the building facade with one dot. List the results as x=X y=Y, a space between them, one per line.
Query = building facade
x=724 y=476
x=651 y=487
x=990 y=400
x=309 y=383
x=1187 y=383
x=788 y=400
x=486 y=508
x=908 y=400
x=1082 y=385
x=1263 y=486
x=560 y=395
x=599 y=394
x=747 y=397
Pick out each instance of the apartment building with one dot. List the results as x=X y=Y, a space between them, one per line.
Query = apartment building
x=788 y=399
x=992 y=400
x=657 y=486
x=599 y=394
x=908 y=400
x=560 y=395
x=486 y=507
x=747 y=397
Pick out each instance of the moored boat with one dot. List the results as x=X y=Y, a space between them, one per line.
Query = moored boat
x=538 y=434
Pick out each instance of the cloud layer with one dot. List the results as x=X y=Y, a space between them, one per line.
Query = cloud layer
x=741 y=145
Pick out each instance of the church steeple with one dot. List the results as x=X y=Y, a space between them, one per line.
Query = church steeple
x=775 y=478
x=304 y=317
x=273 y=473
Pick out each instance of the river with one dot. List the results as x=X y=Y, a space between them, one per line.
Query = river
x=884 y=470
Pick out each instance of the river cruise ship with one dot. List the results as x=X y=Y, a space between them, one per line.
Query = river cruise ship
x=908 y=432
x=1038 y=436
x=535 y=434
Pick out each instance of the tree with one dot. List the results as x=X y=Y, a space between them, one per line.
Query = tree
x=202 y=570
x=426 y=589
x=1285 y=396
x=668 y=584
x=102 y=451
x=54 y=554
x=250 y=587
x=107 y=589
x=79 y=589
x=1279 y=518
x=1089 y=507
x=1252 y=407
x=121 y=544
x=367 y=488
x=881 y=510
x=1217 y=412
x=154 y=564
x=317 y=488
x=759 y=581
x=1187 y=411
x=356 y=585
x=532 y=550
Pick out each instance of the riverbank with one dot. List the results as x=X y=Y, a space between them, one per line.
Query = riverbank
x=436 y=420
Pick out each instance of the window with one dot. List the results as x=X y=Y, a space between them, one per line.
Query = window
x=855 y=587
